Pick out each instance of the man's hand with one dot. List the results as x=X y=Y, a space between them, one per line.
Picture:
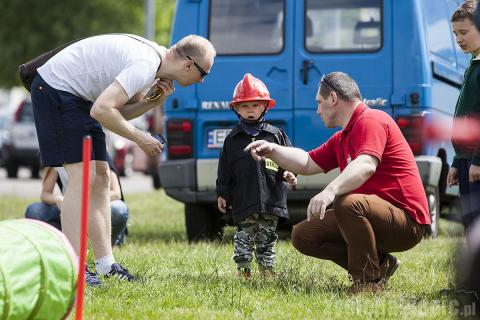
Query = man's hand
x=148 y=143
x=290 y=178
x=260 y=149
x=474 y=173
x=222 y=205
x=164 y=86
x=318 y=204
x=452 y=177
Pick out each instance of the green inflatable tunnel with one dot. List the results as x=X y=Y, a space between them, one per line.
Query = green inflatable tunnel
x=38 y=271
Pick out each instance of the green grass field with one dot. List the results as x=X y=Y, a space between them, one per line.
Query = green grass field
x=177 y=280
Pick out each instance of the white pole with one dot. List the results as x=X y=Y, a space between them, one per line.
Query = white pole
x=150 y=19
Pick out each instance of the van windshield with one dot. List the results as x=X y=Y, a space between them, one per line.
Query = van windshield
x=343 y=25
x=247 y=26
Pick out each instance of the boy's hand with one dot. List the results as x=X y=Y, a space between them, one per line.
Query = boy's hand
x=222 y=205
x=452 y=177
x=290 y=178
x=474 y=173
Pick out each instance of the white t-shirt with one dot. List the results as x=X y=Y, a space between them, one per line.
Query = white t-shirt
x=87 y=67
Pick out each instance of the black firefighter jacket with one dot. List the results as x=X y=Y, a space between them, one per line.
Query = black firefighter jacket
x=251 y=186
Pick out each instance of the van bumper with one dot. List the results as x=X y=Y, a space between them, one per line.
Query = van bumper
x=194 y=181
x=179 y=180
x=430 y=168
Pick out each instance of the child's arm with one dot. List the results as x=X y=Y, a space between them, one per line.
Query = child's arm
x=48 y=195
x=290 y=177
x=224 y=181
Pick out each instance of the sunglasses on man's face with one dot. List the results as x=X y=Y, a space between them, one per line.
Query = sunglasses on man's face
x=203 y=73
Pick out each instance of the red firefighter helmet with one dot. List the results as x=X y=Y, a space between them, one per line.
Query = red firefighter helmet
x=251 y=89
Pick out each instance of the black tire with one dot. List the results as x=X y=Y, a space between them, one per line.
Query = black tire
x=12 y=169
x=35 y=172
x=433 y=199
x=157 y=184
x=202 y=222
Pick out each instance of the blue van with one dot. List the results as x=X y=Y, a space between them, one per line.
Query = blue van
x=402 y=54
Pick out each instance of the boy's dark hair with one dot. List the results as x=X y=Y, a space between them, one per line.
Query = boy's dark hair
x=476 y=17
x=465 y=11
x=345 y=87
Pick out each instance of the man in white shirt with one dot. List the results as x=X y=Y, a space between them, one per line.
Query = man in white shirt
x=102 y=81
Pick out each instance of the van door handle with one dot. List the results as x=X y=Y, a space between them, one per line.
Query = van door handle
x=305 y=67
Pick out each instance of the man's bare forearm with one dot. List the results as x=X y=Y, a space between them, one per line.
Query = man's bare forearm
x=113 y=120
x=133 y=110
x=292 y=159
x=355 y=174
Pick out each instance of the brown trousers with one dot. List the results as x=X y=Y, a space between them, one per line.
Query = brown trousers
x=357 y=233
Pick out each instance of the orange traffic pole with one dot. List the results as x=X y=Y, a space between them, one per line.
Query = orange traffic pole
x=87 y=151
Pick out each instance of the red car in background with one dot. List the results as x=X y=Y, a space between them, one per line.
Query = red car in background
x=128 y=157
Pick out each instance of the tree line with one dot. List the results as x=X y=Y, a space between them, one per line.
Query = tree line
x=32 y=27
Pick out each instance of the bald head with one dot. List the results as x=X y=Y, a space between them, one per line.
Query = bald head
x=196 y=47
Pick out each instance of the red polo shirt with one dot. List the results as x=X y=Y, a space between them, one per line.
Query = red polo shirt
x=396 y=179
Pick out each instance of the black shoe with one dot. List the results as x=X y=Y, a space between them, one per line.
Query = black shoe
x=388 y=267
x=91 y=278
x=119 y=272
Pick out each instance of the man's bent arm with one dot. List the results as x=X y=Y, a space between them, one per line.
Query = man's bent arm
x=355 y=174
x=105 y=111
x=295 y=160
x=138 y=106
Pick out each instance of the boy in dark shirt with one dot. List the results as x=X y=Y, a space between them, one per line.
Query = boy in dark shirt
x=256 y=192
x=465 y=170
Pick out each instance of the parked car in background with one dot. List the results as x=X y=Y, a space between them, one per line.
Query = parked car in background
x=127 y=155
x=5 y=120
x=20 y=145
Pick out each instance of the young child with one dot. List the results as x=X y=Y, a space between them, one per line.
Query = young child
x=256 y=192
x=465 y=169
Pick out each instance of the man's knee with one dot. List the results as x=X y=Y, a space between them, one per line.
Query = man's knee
x=298 y=240
x=349 y=204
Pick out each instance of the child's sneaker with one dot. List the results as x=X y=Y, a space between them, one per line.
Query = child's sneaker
x=245 y=273
x=119 y=272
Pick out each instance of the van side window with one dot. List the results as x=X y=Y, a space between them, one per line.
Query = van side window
x=439 y=34
x=343 y=25
x=247 y=26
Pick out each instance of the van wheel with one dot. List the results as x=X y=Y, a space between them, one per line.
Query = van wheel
x=12 y=170
x=433 y=199
x=202 y=222
x=157 y=184
x=35 y=172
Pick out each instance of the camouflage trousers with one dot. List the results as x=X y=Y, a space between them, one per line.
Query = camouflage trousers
x=256 y=232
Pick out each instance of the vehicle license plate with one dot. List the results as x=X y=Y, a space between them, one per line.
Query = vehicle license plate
x=216 y=137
